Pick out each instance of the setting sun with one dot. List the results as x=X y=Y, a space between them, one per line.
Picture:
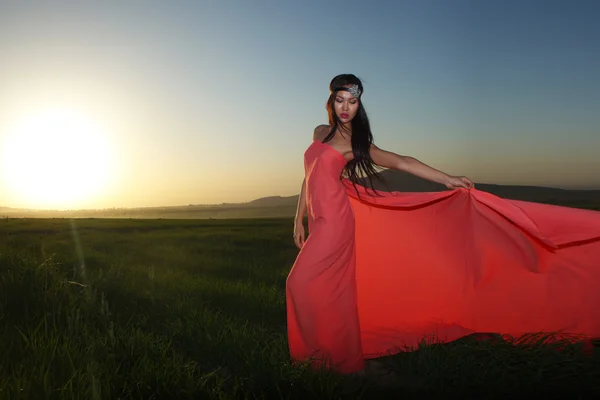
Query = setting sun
x=56 y=159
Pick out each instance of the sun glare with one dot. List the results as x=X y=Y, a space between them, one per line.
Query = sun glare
x=56 y=159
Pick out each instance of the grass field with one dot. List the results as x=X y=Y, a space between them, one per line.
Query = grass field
x=160 y=309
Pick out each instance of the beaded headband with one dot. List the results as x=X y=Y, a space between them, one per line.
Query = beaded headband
x=353 y=89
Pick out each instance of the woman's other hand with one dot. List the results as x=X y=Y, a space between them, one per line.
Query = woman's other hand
x=455 y=182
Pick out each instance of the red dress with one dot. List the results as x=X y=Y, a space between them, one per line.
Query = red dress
x=380 y=274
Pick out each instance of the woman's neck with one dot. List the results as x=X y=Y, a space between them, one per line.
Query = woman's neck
x=345 y=129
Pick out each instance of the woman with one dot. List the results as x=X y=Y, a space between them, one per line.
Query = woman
x=380 y=272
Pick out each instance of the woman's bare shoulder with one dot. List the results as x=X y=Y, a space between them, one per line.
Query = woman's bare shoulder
x=320 y=132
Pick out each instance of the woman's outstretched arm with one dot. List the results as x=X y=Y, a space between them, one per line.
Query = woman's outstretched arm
x=387 y=159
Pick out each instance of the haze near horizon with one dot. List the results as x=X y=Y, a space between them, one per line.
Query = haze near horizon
x=155 y=104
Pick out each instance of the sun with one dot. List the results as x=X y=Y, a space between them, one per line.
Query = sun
x=56 y=159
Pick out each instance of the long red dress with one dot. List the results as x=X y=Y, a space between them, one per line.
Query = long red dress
x=380 y=274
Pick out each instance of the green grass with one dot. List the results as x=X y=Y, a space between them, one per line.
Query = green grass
x=195 y=309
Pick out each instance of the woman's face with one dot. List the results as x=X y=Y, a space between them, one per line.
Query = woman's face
x=345 y=106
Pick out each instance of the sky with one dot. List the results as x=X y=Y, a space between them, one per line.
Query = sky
x=202 y=102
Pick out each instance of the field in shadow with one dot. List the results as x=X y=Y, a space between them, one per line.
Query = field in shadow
x=196 y=309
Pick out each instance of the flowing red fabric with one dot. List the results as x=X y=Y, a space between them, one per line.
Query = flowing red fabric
x=381 y=273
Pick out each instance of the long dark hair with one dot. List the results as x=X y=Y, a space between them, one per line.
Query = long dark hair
x=362 y=137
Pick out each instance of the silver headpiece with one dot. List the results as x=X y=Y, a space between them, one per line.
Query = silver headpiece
x=354 y=91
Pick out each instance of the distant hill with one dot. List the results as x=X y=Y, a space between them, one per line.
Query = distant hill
x=404 y=182
x=274 y=201
x=285 y=206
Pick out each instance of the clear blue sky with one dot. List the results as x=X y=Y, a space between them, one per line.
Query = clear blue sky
x=215 y=101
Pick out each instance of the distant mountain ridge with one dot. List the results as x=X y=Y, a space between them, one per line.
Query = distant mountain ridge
x=403 y=182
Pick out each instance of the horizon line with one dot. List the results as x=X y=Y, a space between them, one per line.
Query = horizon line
x=20 y=209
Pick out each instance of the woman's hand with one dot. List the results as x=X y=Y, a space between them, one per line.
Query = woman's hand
x=299 y=234
x=455 y=182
